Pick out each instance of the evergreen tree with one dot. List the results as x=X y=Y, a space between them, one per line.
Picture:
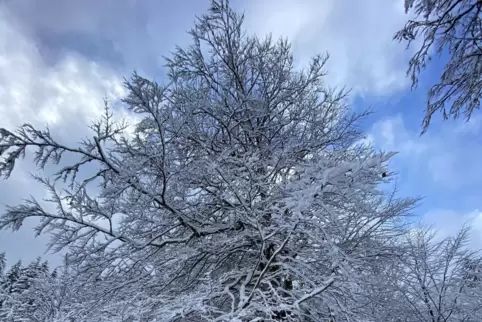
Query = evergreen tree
x=10 y=292
x=3 y=265
x=21 y=291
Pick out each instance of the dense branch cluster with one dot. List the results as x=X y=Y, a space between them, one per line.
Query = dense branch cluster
x=243 y=195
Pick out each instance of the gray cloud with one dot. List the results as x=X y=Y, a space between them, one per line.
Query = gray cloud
x=122 y=34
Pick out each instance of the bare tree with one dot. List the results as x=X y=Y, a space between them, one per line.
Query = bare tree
x=242 y=196
x=437 y=280
x=452 y=28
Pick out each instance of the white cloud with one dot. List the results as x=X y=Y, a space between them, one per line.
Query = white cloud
x=448 y=153
x=449 y=222
x=357 y=35
x=71 y=91
x=391 y=135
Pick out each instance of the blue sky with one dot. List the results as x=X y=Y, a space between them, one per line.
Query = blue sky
x=59 y=58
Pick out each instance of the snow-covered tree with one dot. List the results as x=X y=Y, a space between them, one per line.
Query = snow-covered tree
x=243 y=194
x=451 y=28
x=3 y=264
x=437 y=279
x=9 y=290
x=32 y=293
x=54 y=297
x=16 y=302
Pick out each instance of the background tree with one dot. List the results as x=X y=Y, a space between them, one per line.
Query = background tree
x=33 y=293
x=3 y=263
x=242 y=196
x=437 y=280
x=451 y=28
x=16 y=302
x=8 y=299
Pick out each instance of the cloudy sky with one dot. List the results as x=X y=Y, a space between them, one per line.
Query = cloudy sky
x=59 y=58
